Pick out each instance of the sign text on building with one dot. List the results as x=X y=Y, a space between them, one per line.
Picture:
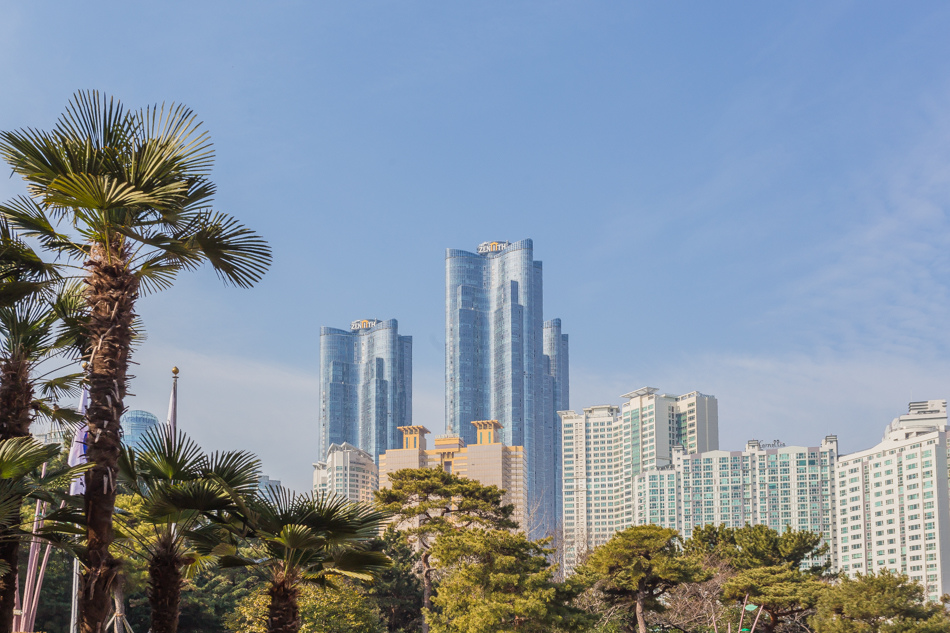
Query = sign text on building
x=492 y=247
x=365 y=324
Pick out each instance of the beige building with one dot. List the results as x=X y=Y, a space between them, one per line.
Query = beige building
x=488 y=461
x=348 y=472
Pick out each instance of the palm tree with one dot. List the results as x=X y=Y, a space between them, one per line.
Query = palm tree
x=21 y=477
x=125 y=196
x=38 y=314
x=182 y=496
x=308 y=539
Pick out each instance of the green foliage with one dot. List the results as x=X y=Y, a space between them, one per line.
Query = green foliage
x=397 y=590
x=761 y=546
x=52 y=613
x=21 y=477
x=498 y=581
x=755 y=546
x=638 y=566
x=339 y=609
x=312 y=538
x=181 y=495
x=431 y=501
x=881 y=603
x=307 y=539
x=710 y=539
x=782 y=591
x=141 y=177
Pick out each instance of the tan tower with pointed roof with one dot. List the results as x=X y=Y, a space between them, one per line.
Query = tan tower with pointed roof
x=488 y=461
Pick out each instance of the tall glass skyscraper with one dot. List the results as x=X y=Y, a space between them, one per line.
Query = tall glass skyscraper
x=365 y=386
x=504 y=362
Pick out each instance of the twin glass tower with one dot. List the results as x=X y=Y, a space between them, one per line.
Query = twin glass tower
x=365 y=386
x=504 y=362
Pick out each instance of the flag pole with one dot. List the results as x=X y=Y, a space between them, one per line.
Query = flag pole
x=77 y=455
x=172 y=420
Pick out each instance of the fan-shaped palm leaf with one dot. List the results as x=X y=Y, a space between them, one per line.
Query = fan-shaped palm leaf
x=125 y=196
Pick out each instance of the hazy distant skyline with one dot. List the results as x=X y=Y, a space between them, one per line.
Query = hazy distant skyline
x=747 y=199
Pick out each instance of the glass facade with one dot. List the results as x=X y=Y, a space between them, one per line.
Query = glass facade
x=504 y=362
x=135 y=424
x=365 y=386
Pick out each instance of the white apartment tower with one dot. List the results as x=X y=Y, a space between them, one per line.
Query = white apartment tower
x=893 y=501
x=661 y=421
x=887 y=507
x=347 y=472
x=766 y=484
x=604 y=448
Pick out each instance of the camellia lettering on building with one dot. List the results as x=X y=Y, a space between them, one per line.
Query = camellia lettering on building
x=365 y=324
x=492 y=247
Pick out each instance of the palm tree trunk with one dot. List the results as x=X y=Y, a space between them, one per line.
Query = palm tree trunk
x=283 y=614
x=16 y=397
x=164 y=592
x=9 y=551
x=110 y=294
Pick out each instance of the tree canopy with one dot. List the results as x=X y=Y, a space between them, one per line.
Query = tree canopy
x=499 y=581
x=638 y=566
x=878 y=603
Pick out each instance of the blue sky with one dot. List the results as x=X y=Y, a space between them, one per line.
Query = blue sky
x=748 y=199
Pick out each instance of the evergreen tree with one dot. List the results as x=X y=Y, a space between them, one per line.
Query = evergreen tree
x=430 y=502
x=755 y=546
x=761 y=546
x=878 y=603
x=398 y=589
x=638 y=566
x=782 y=591
x=499 y=581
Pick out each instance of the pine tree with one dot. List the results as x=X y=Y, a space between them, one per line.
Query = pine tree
x=430 y=502
x=878 y=603
x=638 y=566
x=499 y=581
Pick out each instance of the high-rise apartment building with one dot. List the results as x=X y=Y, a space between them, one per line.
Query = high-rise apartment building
x=606 y=446
x=487 y=460
x=662 y=421
x=365 y=386
x=347 y=472
x=884 y=508
x=265 y=483
x=893 y=501
x=768 y=483
x=504 y=362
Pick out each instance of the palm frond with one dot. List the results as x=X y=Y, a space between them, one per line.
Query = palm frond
x=22 y=455
x=240 y=471
x=31 y=220
x=238 y=255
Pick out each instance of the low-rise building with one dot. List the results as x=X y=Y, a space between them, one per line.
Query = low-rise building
x=347 y=472
x=488 y=461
